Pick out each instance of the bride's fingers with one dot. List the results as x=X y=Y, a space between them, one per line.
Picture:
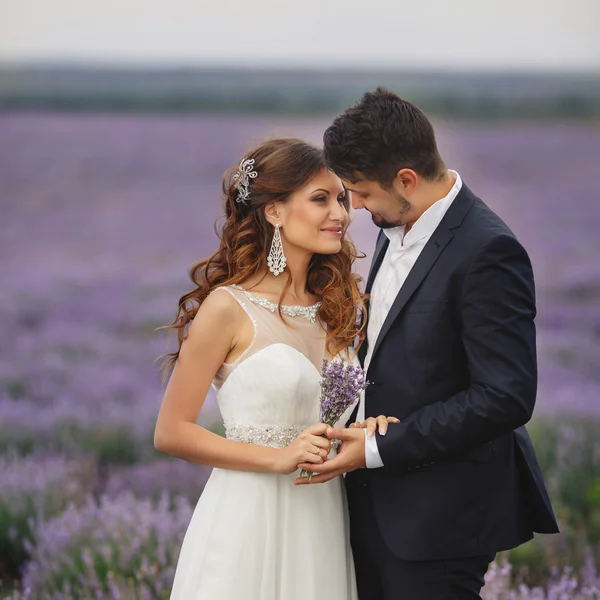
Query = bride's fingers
x=322 y=452
x=393 y=420
x=318 y=429
x=320 y=442
x=311 y=457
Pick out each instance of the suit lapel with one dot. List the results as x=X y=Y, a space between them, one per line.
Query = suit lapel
x=380 y=248
x=429 y=255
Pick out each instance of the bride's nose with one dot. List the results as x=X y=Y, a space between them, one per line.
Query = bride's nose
x=339 y=213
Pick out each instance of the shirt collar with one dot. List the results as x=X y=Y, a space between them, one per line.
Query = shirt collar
x=428 y=222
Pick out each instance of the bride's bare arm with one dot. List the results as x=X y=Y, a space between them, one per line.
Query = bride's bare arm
x=213 y=336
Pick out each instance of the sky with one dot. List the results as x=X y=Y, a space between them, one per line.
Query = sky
x=492 y=35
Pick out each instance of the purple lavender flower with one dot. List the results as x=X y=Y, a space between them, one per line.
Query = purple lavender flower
x=341 y=385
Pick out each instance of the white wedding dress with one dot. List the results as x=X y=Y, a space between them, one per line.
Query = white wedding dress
x=256 y=536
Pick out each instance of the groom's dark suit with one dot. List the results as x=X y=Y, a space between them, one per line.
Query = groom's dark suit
x=455 y=361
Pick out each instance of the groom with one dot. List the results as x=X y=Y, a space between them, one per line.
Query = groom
x=451 y=352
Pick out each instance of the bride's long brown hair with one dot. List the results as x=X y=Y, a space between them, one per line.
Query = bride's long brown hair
x=283 y=166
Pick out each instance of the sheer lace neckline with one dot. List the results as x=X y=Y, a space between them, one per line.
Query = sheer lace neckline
x=289 y=310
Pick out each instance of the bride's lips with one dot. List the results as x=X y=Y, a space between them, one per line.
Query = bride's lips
x=338 y=231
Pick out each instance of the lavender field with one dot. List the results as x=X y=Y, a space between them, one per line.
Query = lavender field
x=102 y=215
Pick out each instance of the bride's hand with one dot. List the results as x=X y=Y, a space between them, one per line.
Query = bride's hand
x=372 y=423
x=308 y=447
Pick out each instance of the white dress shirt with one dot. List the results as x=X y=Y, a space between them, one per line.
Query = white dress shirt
x=400 y=257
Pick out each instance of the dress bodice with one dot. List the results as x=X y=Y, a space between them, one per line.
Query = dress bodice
x=271 y=392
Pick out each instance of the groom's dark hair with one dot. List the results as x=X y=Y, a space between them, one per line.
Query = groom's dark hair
x=380 y=135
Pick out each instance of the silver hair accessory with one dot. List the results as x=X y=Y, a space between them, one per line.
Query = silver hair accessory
x=242 y=178
x=276 y=259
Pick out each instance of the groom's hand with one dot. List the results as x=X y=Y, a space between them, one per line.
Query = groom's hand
x=351 y=456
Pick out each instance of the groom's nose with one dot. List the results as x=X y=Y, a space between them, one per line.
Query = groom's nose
x=356 y=202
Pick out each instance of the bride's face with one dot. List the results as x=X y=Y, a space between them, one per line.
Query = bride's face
x=315 y=217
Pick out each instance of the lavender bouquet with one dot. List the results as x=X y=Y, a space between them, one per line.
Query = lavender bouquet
x=341 y=384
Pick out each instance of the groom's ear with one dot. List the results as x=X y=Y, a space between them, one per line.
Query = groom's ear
x=407 y=180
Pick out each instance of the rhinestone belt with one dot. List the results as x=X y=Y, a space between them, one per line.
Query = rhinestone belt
x=275 y=436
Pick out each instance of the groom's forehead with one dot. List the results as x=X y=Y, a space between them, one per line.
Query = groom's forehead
x=355 y=180
x=356 y=185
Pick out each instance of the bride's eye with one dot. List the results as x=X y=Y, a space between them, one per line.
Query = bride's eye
x=319 y=199
x=342 y=198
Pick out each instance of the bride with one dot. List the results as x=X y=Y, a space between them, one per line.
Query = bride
x=274 y=300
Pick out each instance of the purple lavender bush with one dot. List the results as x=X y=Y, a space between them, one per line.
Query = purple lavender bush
x=56 y=428
x=151 y=480
x=112 y=544
x=568 y=450
x=35 y=488
x=129 y=590
x=562 y=585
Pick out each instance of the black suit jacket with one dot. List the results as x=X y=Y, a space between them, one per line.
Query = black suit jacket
x=455 y=361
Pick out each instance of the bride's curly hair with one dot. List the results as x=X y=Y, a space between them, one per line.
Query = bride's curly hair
x=283 y=166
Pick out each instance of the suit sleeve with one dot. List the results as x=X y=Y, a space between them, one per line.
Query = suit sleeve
x=497 y=312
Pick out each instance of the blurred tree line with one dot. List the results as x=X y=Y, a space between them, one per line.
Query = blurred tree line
x=465 y=95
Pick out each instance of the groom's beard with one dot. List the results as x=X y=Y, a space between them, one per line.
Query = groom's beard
x=381 y=222
x=404 y=207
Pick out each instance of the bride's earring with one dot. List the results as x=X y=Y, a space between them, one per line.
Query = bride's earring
x=276 y=258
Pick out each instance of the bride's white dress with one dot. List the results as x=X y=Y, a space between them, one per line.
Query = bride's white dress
x=256 y=536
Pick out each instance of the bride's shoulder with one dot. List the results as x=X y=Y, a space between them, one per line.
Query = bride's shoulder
x=219 y=307
x=214 y=326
